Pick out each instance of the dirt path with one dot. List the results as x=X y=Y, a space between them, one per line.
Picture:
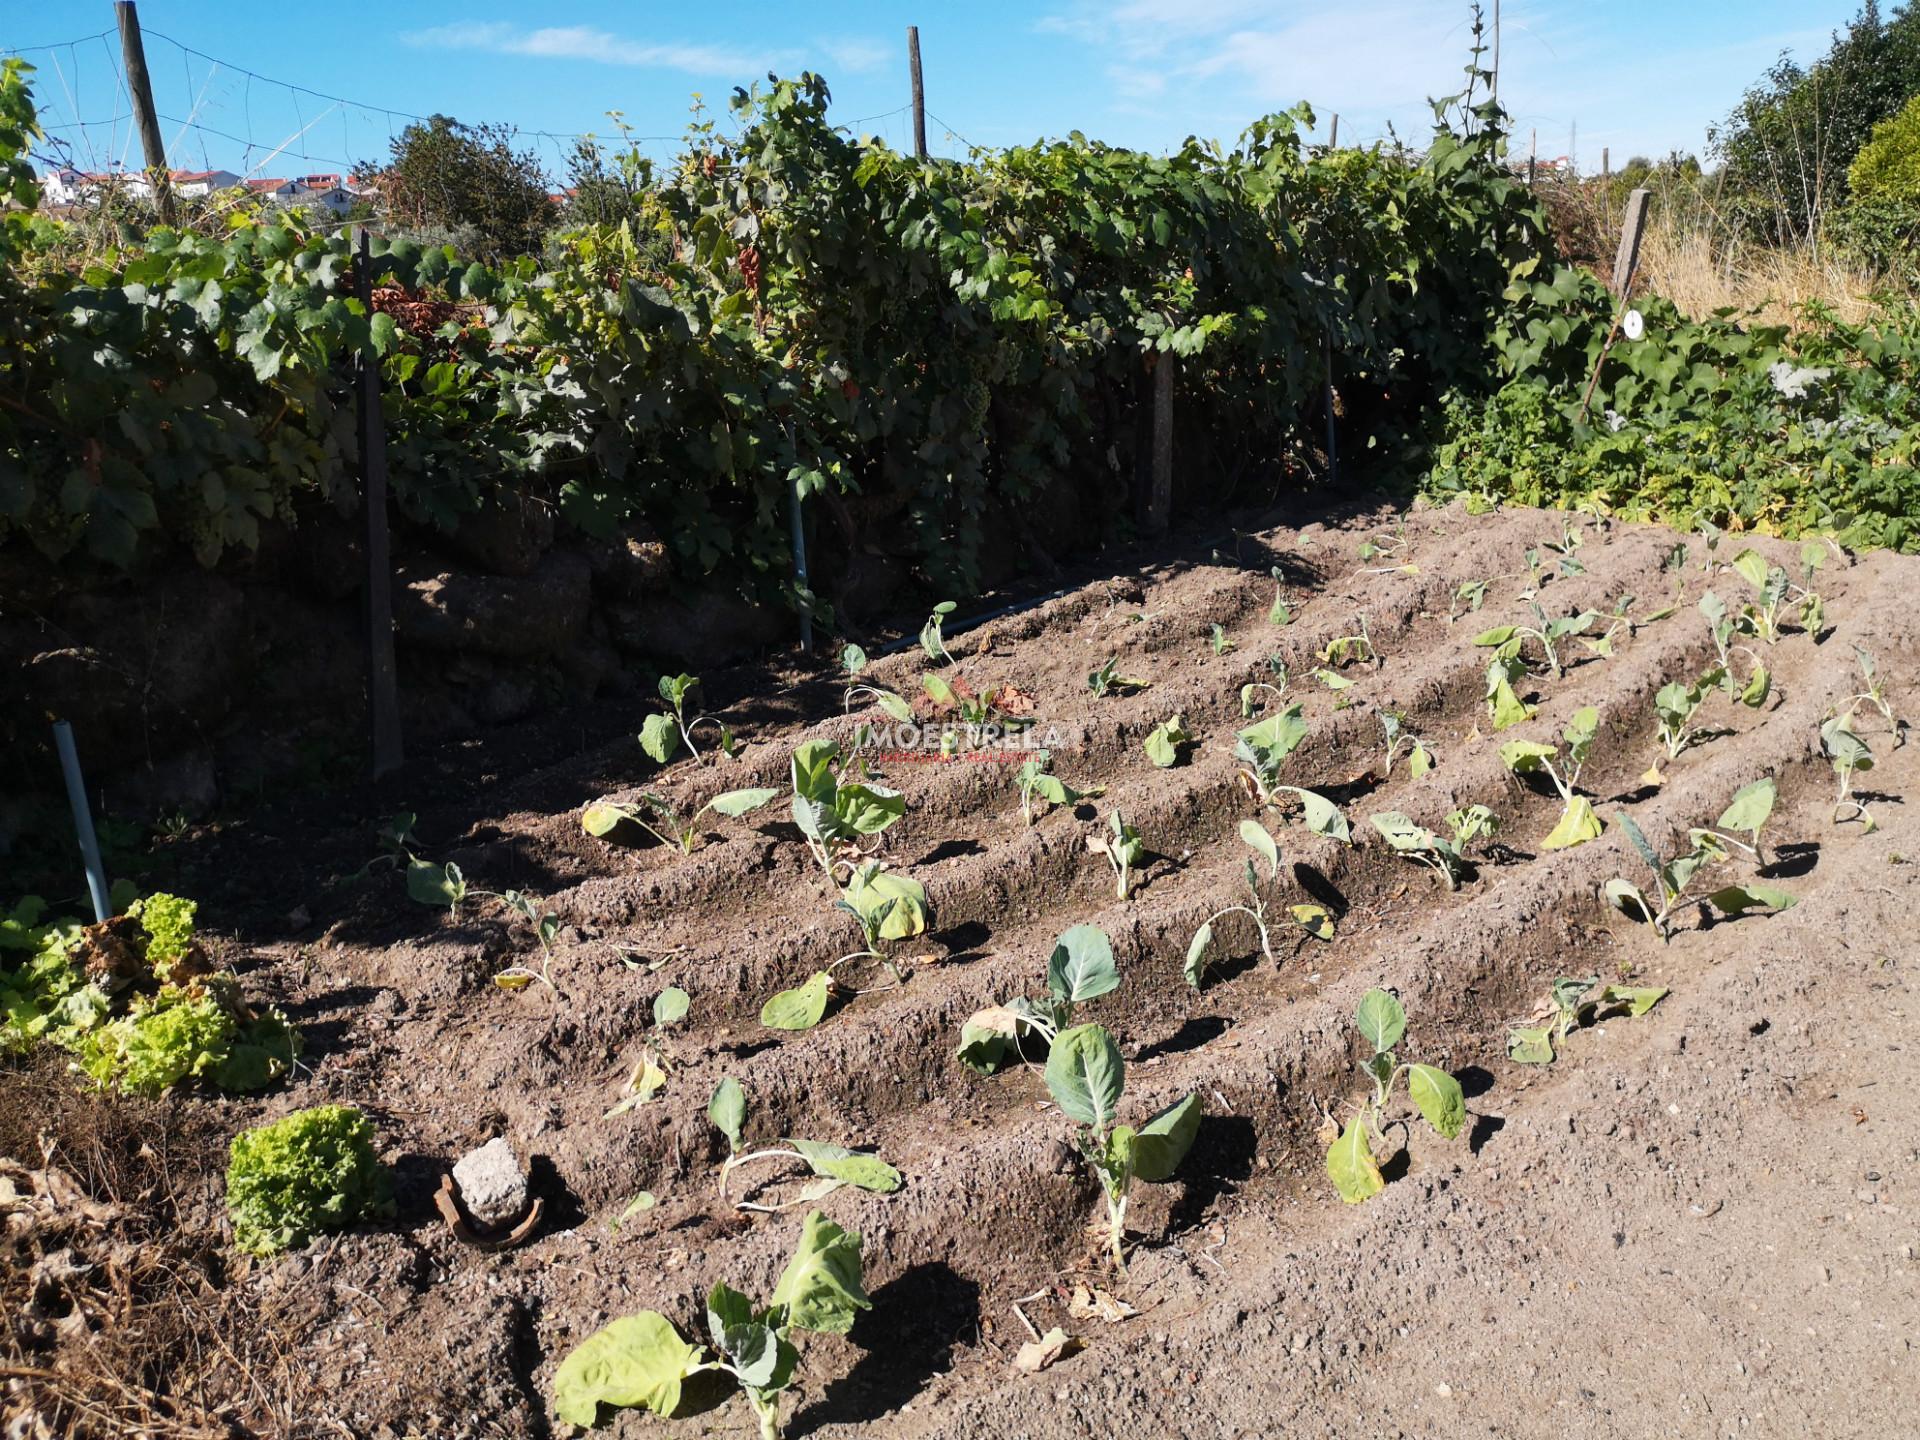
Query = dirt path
x=1696 y=1222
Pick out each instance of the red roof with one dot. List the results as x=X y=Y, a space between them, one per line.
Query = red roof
x=266 y=184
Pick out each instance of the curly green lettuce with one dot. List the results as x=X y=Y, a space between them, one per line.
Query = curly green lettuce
x=313 y=1171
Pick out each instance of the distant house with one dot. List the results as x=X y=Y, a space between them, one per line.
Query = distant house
x=328 y=191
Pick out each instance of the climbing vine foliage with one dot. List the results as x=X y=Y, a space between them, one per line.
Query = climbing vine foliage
x=927 y=346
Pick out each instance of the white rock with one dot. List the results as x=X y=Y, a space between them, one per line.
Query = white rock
x=492 y=1185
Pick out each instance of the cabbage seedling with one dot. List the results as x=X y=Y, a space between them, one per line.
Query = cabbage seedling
x=1034 y=782
x=1280 y=613
x=1578 y=823
x=1445 y=857
x=1255 y=910
x=1503 y=703
x=1108 y=681
x=1849 y=755
x=727 y=1110
x=605 y=816
x=1263 y=748
x=1398 y=738
x=1775 y=595
x=1568 y=1007
x=1749 y=811
x=1123 y=850
x=1344 y=650
x=642 y=1360
x=1165 y=742
x=1081 y=969
x=1722 y=628
x=1875 y=694
x=888 y=907
x=1673 y=880
x=665 y=731
x=1087 y=1077
x=932 y=641
x=1350 y=1158
x=649 y=1075
x=833 y=811
x=1674 y=706
x=1221 y=644
x=1508 y=640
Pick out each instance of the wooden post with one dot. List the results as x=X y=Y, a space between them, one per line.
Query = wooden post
x=919 y=93
x=1606 y=165
x=1333 y=135
x=1533 y=153
x=383 y=688
x=1160 y=495
x=1627 y=259
x=140 y=88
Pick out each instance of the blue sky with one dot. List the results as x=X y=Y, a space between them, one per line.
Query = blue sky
x=1637 y=76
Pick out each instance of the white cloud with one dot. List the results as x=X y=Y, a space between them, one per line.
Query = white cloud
x=602 y=47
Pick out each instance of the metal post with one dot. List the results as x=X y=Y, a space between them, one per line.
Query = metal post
x=1333 y=438
x=383 y=685
x=919 y=93
x=134 y=54
x=82 y=819
x=1333 y=135
x=1160 y=496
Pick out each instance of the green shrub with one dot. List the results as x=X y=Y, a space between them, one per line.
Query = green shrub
x=1888 y=165
x=311 y=1172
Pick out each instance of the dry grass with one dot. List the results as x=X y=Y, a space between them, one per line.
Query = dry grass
x=1702 y=268
x=117 y=1315
x=1695 y=257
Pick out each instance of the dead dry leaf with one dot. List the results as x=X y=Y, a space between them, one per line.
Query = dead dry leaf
x=1090 y=1302
x=1049 y=1349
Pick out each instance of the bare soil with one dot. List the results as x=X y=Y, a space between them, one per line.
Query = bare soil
x=1697 y=1222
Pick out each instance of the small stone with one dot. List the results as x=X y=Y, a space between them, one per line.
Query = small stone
x=492 y=1185
x=1443 y=1390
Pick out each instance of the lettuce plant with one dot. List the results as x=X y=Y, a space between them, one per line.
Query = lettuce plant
x=1123 y=850
x=667 y=825
x=1351 y=1165
x=642 y=1360
x=1086 y=1078
x=832 y=811
x=1080 y=969
x=1578 y=823
x=315 y=1170
x=1571 y=1003
x=833 y=1164
x=1033 y=782
x=663 y=732
x=1262 y=750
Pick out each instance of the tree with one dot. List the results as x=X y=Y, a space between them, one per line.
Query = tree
x=1787 y=145
x=469 y=182
x=1888 y=165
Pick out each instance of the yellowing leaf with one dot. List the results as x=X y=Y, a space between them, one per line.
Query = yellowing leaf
x=1578 y=824
x=1351 y=1166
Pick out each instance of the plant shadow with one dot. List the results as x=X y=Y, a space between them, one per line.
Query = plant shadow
x=1220 y=1160
x=910 y=1334
x=1792 y=860
x=1196 y=1031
